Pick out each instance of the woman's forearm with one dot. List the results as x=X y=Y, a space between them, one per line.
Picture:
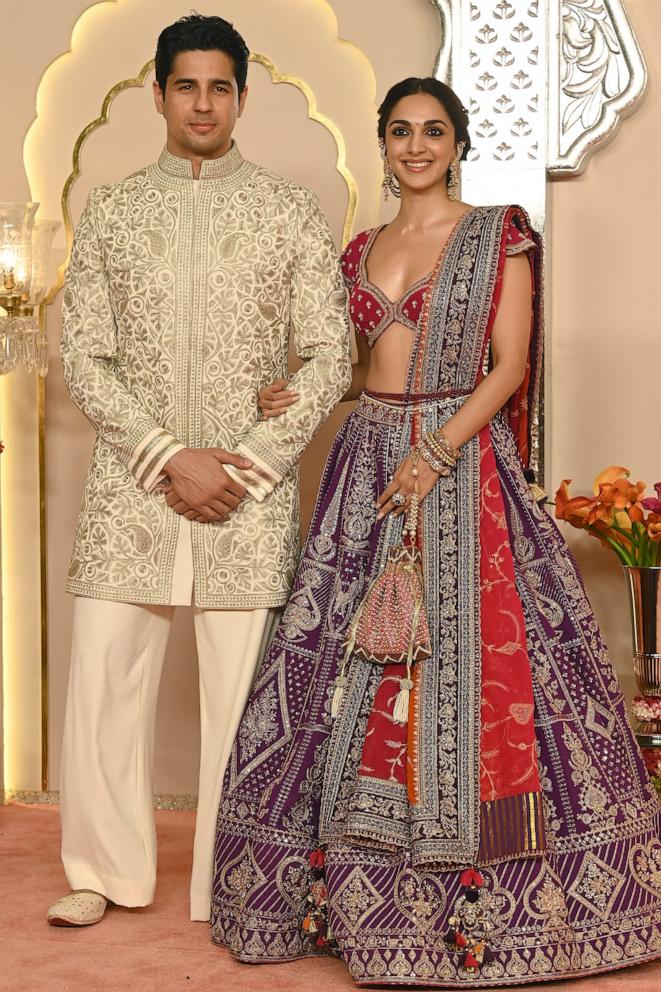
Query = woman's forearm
x=483 y=404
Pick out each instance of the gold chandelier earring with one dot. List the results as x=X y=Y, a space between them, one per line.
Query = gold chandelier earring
x=453 y=173
x=390 y=183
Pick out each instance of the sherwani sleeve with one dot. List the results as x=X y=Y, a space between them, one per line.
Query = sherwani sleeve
x=321 y=339
x=89 y=355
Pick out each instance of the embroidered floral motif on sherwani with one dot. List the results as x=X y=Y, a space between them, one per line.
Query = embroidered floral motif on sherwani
x=567 y=835
x=177 y=309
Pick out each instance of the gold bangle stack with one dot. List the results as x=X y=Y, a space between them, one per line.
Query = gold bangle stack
x=438 y=452
x=445 y=444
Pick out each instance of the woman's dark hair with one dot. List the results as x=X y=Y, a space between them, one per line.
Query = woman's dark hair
x=197 y=33
x=446 y=96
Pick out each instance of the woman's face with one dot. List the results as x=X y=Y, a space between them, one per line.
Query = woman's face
x=420 y=141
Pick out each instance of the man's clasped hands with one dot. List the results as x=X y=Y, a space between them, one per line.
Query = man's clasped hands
x=199 y=488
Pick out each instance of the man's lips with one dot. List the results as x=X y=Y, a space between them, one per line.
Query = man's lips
x=202 y=127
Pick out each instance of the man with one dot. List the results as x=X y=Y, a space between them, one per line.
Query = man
x=184 y=281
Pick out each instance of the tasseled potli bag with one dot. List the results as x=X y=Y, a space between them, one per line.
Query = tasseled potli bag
x=390 y=625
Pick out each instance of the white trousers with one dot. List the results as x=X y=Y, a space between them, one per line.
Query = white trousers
x=108 y=831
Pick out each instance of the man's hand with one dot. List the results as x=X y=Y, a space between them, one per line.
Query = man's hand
x=200 y=485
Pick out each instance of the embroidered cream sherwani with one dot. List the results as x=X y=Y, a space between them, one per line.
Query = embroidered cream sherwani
x=178 y=305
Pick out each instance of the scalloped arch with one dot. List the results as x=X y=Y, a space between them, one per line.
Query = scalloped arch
x=73 y=85
x=139 y=80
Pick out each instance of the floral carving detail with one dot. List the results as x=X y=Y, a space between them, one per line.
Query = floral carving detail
x=594 y=71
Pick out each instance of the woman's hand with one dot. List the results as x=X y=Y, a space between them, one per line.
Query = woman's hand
x=274 y=400
x=403 y=482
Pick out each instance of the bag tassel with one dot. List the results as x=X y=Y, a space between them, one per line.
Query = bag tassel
x=400 y=711
x=338 y=693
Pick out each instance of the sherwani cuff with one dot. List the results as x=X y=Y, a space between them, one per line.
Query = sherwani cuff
x=260 y=480
x=149 y=457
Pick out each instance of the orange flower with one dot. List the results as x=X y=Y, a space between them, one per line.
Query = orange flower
x=576 y=510
x=654 y=527
x=601 y=512
x=617 y=498
x=608 y=476
x=616 y=515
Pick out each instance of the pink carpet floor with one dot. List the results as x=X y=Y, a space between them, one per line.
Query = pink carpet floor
x=155 y=949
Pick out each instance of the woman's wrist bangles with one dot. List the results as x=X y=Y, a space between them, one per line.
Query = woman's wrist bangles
x=438 y=452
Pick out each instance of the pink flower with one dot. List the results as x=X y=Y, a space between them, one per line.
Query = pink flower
x=653 y=504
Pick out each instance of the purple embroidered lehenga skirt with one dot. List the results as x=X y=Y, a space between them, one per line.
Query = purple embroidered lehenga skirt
x=591 y=899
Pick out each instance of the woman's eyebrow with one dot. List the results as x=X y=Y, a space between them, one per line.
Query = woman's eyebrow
x=437 y=120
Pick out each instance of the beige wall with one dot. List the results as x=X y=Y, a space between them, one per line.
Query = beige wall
x=605 y=327
x=602 y=284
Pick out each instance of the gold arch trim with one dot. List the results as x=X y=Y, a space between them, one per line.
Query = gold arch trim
x=137 y=81
x=99 y=121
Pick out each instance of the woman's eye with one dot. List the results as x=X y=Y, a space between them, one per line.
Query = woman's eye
x=399 y=132
x=435 y=132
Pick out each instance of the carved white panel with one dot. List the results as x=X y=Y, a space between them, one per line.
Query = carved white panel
x=545 y=80
x=601 y=76
x=504 y=75
x=498 y=64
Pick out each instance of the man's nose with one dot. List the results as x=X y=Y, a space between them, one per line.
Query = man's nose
x=202 y=102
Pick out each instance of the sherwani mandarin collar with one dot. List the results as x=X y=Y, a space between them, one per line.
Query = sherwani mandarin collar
x=227 y=165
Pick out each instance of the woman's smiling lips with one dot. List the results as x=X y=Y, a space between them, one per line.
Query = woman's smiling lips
x=417 y=165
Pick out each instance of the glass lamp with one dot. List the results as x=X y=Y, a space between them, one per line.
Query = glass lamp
x=33 y=337
x=16 y=223
x=24 y=253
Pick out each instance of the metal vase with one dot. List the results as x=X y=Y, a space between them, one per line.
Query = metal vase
x=644 y=584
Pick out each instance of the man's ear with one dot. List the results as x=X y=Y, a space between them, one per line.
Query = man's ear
x=158 y=97
x=242 y=100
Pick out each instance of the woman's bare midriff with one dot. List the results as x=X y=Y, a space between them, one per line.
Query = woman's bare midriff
x=389 y=360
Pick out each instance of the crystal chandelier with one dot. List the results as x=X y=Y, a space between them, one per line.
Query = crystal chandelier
x=24 y=253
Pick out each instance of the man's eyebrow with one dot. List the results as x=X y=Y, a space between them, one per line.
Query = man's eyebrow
x=437 y=120
x=214 y=82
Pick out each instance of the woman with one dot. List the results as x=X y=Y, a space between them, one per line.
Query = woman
x=441 y=791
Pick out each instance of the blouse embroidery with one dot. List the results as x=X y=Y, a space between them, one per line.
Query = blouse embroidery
x=371 y=311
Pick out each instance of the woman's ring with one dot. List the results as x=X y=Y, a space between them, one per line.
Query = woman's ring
x=398 y=499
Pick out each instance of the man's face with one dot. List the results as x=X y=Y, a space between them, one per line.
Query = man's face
x=201 y=104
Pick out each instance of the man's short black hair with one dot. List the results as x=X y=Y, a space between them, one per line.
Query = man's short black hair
x=202 y=34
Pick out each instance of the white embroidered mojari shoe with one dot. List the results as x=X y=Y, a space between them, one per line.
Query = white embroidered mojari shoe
x=79 y=909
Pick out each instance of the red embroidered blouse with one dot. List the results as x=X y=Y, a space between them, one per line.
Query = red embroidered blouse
x=371 y=311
